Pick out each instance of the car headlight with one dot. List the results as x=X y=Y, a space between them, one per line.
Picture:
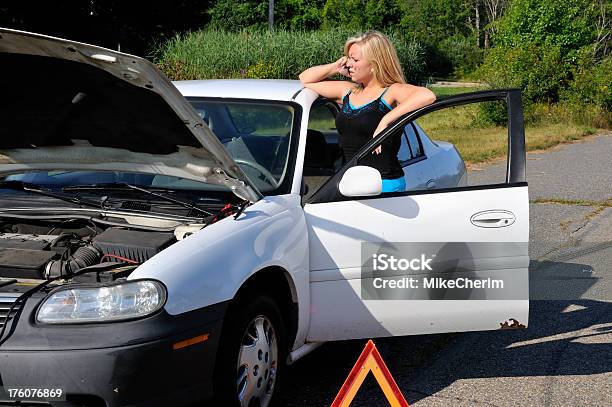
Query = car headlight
x=127 y=300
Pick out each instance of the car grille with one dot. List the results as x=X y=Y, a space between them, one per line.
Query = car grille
x=5 y=304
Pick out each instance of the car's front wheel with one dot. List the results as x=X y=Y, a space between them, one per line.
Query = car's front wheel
x=251 y=354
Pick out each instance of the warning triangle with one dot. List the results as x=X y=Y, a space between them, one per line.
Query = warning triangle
x=369 y=361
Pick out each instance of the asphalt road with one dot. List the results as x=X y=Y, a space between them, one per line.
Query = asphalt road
x=563 y=358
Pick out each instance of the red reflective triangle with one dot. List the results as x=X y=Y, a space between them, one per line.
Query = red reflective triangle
x=369 y=361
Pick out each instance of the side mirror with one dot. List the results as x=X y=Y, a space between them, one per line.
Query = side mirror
x=361 y=181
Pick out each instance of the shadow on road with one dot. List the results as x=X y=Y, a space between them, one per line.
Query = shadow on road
x=561 y=340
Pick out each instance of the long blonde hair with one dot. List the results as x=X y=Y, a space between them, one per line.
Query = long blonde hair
x=378 y=50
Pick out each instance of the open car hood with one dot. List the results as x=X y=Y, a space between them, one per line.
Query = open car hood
x=65 y=105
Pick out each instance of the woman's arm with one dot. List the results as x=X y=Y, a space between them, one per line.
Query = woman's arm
x=408 y=98
x=314 y=78
x=320 y=72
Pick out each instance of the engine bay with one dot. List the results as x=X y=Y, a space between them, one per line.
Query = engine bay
x=57 y=249
x=32 y=256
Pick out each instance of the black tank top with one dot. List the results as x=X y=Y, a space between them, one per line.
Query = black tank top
x=356 y=125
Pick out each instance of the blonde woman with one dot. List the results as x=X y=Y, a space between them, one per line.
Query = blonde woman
x=376 y=96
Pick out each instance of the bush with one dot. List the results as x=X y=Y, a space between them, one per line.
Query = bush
x=540 y=71
x=592 y=84
x=260 y=54
x=492 y=114
x=261 y=70
x=585 y=115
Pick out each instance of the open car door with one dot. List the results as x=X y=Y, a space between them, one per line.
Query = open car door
x=462 y=234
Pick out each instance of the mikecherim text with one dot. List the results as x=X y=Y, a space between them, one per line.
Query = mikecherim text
x=437 y=282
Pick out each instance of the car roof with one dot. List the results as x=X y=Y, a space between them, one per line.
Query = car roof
x=267 y=89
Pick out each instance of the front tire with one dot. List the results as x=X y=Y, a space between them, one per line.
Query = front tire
x=251 y=354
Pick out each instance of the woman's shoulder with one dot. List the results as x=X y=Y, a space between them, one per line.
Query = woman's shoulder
x=401 y=87
x=398 y=92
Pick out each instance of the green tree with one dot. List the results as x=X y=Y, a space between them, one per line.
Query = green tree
x=539 y=44
x=361 y=14
x=449 y=31
x=568 y=24
x=299 y=14
x=234 y=16
x=431 y=21
x=288 y=14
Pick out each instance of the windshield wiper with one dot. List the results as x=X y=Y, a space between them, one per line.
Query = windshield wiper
x=122 y=186
x=24 y=186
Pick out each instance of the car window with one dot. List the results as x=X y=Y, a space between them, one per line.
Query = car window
x=413 y=139
x=322 y=118
x=405 y=154
x=463 y=140
x=410 y=147
x=322 y=147
x=457 y=142
x=260 y=119
x=257 y=134
x=323 y=156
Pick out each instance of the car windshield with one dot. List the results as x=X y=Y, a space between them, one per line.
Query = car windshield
x=257 y=134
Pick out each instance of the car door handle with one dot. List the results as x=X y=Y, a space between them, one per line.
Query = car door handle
x=493 y=219
x=431 y=184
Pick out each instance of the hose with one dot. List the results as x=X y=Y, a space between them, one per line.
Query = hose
x=83 y=257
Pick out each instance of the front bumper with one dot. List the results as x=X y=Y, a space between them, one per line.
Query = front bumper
x=167 y=371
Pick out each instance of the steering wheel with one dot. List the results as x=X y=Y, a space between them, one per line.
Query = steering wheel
x=261 y=169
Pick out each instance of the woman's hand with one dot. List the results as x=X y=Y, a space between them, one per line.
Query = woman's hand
x=321 y=72
x=314 y=78
x=381 y=127
x=341 y=68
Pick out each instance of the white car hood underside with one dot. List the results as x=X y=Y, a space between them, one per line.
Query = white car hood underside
x=72 y=106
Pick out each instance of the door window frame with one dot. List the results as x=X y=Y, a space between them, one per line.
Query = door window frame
x=516 y=160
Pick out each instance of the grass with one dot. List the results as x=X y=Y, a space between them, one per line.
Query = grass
x=573 y=202
x=478 y=145
x=251 y=53
x=481 y=143
x=598 y=207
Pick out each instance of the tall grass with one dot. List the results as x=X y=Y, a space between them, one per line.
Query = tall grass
x=260 y=54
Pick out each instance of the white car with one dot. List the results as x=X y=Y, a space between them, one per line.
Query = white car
x=165 y=243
